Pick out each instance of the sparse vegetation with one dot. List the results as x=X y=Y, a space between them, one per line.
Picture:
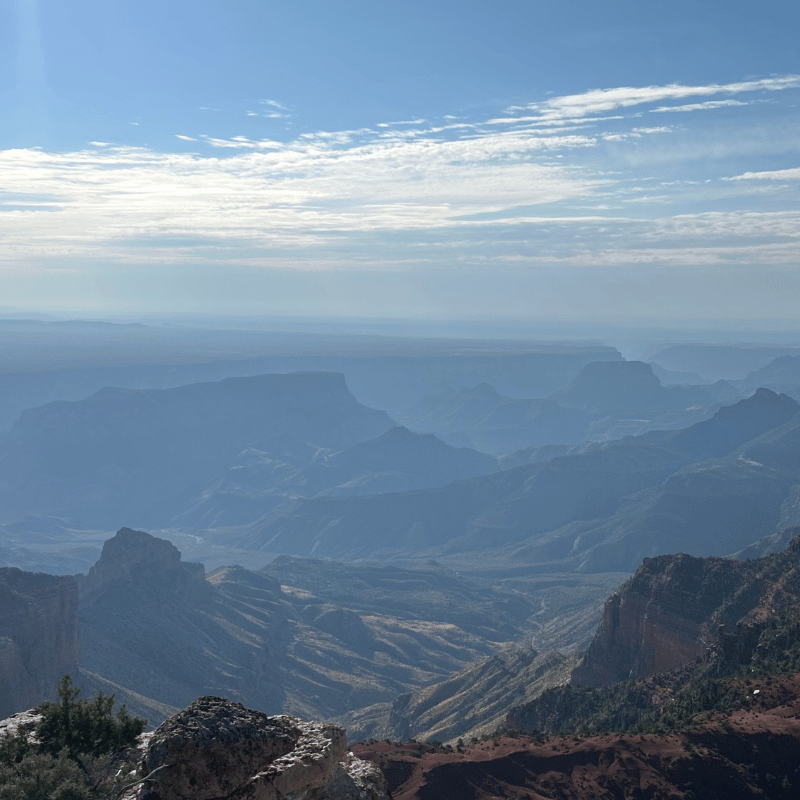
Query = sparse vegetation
x=696 y=692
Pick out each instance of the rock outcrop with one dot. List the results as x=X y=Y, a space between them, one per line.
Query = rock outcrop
x=675 y=608
x=38 y=636
x=219 y=750
x=140 y=557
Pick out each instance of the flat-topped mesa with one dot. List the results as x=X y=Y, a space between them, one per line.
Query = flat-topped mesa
x=142 y=454
x=218 y=749
x=38 y=636
x=614 y=385
x=136 y=555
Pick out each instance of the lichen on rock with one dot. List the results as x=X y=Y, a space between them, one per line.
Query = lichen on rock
x=219 y=750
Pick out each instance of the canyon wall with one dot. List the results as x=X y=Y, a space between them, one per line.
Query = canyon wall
x=38 y=636
x=675 y=608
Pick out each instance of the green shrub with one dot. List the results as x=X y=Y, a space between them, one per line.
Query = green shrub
x=85 y=727
x=72 y=760
x=39 y=776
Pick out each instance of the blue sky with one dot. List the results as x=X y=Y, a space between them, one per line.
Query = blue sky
x=624 y=162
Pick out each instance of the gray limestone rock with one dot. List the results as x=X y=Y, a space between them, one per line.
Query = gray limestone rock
x=219 y=750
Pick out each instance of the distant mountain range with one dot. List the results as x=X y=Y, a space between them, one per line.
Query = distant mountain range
x=392 y=381
x=606 y=400
x=145 y=454
x=718 y=361
x=714 y=487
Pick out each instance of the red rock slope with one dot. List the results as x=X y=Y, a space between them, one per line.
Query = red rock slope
x=753 y=753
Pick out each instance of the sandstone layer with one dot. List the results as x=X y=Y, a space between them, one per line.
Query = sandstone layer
x=675 y=608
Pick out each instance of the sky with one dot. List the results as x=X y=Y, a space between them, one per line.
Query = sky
x=625 y=162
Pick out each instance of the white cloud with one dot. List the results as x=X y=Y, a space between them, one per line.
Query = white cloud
x=709 y=104
x=273 y=110
x=792 y=174
x=274 y=104
x=403 y=122
x=546 y=185
x=599 y=101
x=273 y=195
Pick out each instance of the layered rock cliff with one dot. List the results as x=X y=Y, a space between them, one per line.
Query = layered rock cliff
x=38 y=636
x=675 y=608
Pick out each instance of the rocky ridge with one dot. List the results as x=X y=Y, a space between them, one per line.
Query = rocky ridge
x=747 y=755
x=313 y=639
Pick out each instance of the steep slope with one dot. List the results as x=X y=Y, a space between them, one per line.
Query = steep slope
x=281 y=469
x=669 y=613
x=677 y=640
x=144 y=454
x=38 y=636
x=581 y=510
x=154 y=625
x=475 y=701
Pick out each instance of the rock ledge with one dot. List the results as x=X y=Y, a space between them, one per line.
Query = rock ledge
x=219 y=750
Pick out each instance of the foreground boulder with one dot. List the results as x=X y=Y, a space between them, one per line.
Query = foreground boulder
x=219 y=750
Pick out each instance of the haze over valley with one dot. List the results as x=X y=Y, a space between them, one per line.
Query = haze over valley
x=399 y=401
x=292 y=548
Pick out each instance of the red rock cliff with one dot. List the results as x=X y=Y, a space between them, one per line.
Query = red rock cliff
x=676 y=607
x=655 y=622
